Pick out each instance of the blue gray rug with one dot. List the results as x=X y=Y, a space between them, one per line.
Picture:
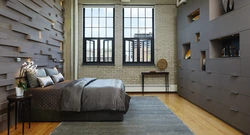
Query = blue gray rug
x=146 y=116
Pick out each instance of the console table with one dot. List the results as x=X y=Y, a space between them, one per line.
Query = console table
x=166 y=74
x=23 y=101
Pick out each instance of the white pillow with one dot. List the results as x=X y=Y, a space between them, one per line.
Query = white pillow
x=45 y=81
x=57 y=78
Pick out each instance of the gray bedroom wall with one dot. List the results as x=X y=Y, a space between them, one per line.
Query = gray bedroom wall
x=223 y=87
x=165 y=47
x=30 y=30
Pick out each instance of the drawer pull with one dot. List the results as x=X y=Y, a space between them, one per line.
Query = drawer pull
x=181 y=87
x=208 y=72
x=192 y=91
x=208 y=99
x=235 y=110
x=181 y=78
x=192 y=70
x=209 y=86
x=234 y=75
x=192 y=81
x=235 y=93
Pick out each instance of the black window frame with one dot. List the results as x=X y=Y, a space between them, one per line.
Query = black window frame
x=138 y=63
x=99 y=63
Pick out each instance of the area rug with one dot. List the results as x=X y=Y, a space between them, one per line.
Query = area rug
x=146 y=116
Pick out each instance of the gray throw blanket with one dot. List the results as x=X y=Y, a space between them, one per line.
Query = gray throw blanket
x=90 y=94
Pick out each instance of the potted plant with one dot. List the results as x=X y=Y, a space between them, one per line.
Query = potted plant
x=22 y=85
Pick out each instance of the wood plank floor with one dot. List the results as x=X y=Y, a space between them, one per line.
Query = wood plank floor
x=198 y=120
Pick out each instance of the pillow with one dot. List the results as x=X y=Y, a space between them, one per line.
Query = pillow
x=51 y=71
x=32 y=77
x=45 y=81
x=57 y=78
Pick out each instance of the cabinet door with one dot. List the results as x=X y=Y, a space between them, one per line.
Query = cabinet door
x=230 y=66
x=211 y=106
x=211 y=78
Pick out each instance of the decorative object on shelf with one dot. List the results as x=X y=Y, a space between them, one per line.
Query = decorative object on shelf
x=162 y=64
x=22 y=85
x=188 y=54
x=228 y=5
x=196 y=17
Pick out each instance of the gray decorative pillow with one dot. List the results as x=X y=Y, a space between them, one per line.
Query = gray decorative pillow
x=45 y=81
x=32 y=77
x=51 y=71
x=57 y=78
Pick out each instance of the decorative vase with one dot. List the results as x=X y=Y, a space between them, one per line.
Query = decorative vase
x=19 y=91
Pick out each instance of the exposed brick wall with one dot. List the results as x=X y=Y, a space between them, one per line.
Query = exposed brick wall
x=165 y=47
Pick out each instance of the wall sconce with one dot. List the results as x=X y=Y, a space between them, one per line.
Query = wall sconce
x=54 y=59
x=18 y=59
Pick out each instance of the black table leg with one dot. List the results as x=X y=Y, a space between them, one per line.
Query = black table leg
x=9 y=118
x=15 y=114
x=166 y=83
x=29 y=111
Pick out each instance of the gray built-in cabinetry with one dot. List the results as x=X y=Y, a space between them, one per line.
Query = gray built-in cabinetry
x=217 y=75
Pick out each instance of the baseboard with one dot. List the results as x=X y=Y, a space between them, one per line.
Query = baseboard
x=150 y=88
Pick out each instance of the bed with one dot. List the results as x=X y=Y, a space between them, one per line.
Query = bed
x=85 y=99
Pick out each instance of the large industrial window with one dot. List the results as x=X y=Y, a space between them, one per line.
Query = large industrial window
x=98 y=36
x=138 y=36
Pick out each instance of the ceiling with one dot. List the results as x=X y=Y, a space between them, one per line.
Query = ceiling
x=141 y=2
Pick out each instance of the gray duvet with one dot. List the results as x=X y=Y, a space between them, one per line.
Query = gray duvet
x=90 y=94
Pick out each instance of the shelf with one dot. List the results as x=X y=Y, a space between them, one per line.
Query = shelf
x=225 y=47
x=186 y=51
x=197 y=37
x=218 y=8
x=203 y=61
x=195 y=15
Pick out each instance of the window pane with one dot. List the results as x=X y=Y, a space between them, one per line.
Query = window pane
x=127 y=12
x=109 y=12
x=102 y=32
x=149 y=31
x=105 y=50
x=87 y=12
x=109 y=32
x=91 y=50
x=127 y=22
x=95 y=22
x=142 y=12
x=87 y=32
x=142 y=22
x=87 y=22
x=102 y=22
x=149 y=22
x=134 y=32
x=142 y=30
x=149 y=12
x=102 y=12
x=134 y=12
x=95 y=12
x=95 y=32
x=134 y=22
x=109 y=22
x=127 y=32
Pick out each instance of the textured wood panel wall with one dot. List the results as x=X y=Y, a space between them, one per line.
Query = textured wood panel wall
x=30 y=30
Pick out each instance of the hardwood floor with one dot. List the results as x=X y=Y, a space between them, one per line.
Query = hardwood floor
x=198 y=120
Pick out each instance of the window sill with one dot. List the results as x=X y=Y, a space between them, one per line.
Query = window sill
x=138 y=64
x=98 y=64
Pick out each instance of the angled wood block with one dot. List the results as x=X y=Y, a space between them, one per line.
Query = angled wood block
x=14 y=43
x=7 y=68
x=19 y=28
x=3 y=117
x=8 y=15
x=30 y=5
x=59 y=66
x=4 y=82
x=4 y=105
x=57 y=38
x=60 y=19
x=10 y=87
x=28 y=49
x=43 y=52
x=31 y=24
x=38 y=2
x=57 y=6
x=53 y=42
x=49 y=3
x=15 y=54
x=3 y=35
x=20 y=9
x=42 y=24
x=36 y=39
x=47 y=16
x=57 y=28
